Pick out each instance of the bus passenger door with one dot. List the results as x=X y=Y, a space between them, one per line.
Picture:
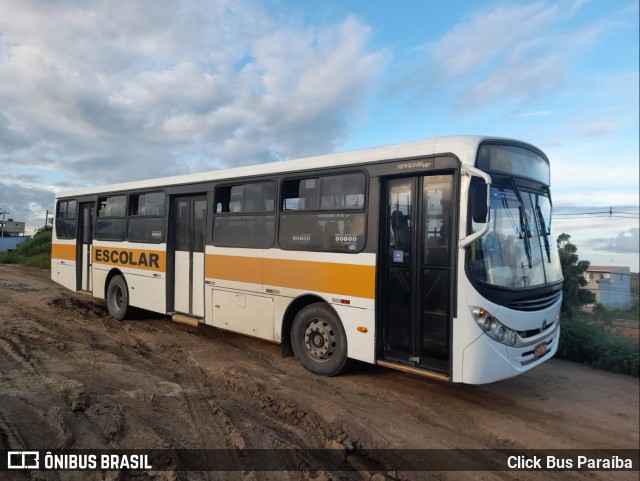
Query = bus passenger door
x=84 y=243
x=189 y=214
x=417 y=272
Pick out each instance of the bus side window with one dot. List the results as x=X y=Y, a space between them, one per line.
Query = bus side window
x=223 y=196
x=329 y=213
x=66 y=219
x=146 y=217
x=111 y=218
x=245 y=215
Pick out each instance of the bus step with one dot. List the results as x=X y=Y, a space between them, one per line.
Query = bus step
x=413 y=370
x=184 y=319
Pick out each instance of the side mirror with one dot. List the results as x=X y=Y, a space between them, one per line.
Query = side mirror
x=479 y=211
x=479 y=200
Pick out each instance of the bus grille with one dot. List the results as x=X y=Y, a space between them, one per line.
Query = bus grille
x=535 y=304
x=535 y=332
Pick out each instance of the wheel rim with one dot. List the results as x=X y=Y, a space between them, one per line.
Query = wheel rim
x=117 y=298
x=320 y=340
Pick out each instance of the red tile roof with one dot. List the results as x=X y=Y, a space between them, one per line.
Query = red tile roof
x=605 y=268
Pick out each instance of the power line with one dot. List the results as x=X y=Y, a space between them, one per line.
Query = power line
x=577 y=216
x=596 y=213
x=600 y=213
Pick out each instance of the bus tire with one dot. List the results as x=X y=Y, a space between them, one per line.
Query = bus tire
x=118 y=298
x=319 y=341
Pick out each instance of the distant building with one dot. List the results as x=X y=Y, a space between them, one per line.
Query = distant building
x=10 y=243
x=611 y=285
x=12 y=234
x=12 y=228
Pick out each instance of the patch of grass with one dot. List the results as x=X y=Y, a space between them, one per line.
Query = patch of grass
x=8 y=258
x=42 y=261
x=34 y=252
x=602 y=314
x=590 y=344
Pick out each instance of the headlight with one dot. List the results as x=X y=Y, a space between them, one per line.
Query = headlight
x=487 y=324
x=500 y=333
x=494 y=328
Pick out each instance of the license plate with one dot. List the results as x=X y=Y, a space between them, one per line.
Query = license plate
x=541 y=350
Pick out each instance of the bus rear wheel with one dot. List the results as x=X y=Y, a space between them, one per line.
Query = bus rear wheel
x=118 y=298
x=319 y=341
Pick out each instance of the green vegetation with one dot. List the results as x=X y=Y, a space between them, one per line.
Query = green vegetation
x=583 y=337
x=635 y=289
x=574 y=296
x=602 y=314
x=34 y=252
x=589 y=343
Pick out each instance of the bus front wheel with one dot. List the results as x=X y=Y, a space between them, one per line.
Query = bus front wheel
x=319 y=341
x=118 y=297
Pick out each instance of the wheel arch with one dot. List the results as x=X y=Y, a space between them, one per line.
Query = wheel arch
x=290 y=314
x=112 y=273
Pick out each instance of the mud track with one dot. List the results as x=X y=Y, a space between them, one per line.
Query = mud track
x=72 y=377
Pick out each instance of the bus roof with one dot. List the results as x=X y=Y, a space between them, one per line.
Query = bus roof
x=463 y=146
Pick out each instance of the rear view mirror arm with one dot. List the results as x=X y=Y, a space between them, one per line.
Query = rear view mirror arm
x=473 y=172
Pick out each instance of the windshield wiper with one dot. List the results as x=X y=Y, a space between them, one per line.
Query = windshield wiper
x=524 y=224
x=526 y=234
x=545 y=233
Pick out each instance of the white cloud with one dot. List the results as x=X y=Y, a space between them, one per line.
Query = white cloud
x=624 y=242
x=539 y=113
x=104 y=91
x=618 y=244
x=485 y=36
x=599 y=128
x=25 y=203
x=507 y=54
x=601 y=239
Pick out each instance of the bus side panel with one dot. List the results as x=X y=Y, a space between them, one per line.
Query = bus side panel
x=360 y=345
x=99 y=275
x=360 y=328
x=63 y=262
x=147 y=292
x=281 y=306
x=344 y=281
x=143 y=267
x=249 y=291
x=243 y=312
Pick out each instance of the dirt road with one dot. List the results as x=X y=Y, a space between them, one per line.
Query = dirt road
x=72 y=377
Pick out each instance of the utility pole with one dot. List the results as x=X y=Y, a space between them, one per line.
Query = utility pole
x=3 y=213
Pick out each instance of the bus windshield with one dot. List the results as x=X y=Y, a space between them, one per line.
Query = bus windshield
x=519 y=249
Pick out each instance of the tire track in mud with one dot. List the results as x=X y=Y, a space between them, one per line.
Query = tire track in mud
x=205 y=399
x=280 y=422
x=261 y=420
x=192 y=408
x=264 y=418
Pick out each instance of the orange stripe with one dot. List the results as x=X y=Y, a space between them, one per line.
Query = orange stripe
x=63 y=251
x=345 y=279
x=342 y=279
x=134 y=258
x=234 y=268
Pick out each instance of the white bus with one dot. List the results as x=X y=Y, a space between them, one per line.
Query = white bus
x=433 y=257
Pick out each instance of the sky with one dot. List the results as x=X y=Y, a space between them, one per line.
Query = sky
x=95 y=92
